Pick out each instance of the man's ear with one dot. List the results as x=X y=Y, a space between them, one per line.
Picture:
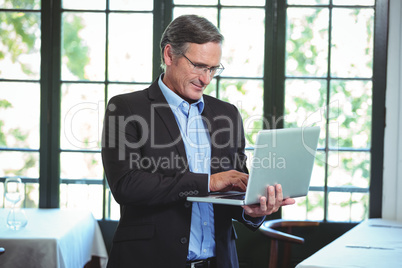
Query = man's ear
x=168 y=55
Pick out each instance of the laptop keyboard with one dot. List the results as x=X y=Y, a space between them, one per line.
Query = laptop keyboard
x=235 y=196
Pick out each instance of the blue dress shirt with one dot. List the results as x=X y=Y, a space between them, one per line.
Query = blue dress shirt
x=198 y=150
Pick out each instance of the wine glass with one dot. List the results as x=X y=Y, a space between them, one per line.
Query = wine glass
x=13 y=191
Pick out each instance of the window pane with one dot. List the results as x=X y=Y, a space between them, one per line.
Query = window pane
x=130 y=55
x=333 y=139
x=318 y=174
x=87 y=4
x=210 y=14
x=353 y=170
x=9 y=4
x=20 y=45
x=353 y=101
x=347 y=206
x=339 y=207
x=305 y=102
x=31 y=195
x=352 y=42
x=20 y=164
x=243 y=48
x=247 y=96
x=82 y=111
x=307 y=42
x=211 y=89
x=82 y=196
x=116 y=89
x=315 y=209
x=86 y=167
x=353 y=2
x=360 y=206
x=83 y=53
x=131 y=5
x=113 y=209
x=243 y=2
x=306 y=208
x=296 y=211
x=195 y=2
x=333 y=159
x=81 y=166
x=308 y=2
x=19 y=115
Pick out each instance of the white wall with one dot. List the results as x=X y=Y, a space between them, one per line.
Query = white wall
x=392 y=186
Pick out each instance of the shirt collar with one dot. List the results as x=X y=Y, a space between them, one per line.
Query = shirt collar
x=175 y=100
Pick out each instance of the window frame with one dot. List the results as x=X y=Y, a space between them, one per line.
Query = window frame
x=274 y=100
x=273 y=79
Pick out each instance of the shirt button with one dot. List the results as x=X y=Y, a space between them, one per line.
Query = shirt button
x=204 y=250
x=205 y=223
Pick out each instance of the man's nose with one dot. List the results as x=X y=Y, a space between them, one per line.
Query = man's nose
x=206 y=77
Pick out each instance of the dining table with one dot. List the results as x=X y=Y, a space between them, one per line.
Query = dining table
x=372 y=243
x=52 y=238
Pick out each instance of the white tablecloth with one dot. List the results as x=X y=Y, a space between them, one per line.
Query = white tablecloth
x=372 y=243
x=53 y=238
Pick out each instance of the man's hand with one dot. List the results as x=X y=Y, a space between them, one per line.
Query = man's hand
x=231 y=180
x=269 y=205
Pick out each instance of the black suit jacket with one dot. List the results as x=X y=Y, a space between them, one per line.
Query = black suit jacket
x=146 y=167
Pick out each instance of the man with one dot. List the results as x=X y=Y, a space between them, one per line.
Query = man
x=170 y=141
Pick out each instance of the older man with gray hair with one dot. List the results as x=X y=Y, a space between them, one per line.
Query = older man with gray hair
x=171 y=141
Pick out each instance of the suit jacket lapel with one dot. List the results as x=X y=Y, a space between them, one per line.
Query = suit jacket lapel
x=163 y=110
x=210 y=117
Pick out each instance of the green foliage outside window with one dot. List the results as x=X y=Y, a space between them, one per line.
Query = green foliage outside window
x=19 y=37
x=306 y=56
x=346 y=107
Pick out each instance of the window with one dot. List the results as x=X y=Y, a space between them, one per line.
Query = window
x=242 y=81
x=99 y=60
x=328 y=82
x=20 y=96
x=286 y=65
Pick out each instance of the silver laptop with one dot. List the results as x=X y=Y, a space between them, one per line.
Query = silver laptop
x=281 y=156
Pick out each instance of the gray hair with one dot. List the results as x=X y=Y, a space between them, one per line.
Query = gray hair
x=188 y=29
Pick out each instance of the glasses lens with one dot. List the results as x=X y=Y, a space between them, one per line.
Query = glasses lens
x=217 y=72
x=213 y=72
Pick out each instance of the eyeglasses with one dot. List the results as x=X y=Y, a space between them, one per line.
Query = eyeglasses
x=201 y=69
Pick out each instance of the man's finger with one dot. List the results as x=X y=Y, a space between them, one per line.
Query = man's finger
x=263 y=203
x=271 y=197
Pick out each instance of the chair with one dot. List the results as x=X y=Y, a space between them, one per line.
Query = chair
x=268 y=228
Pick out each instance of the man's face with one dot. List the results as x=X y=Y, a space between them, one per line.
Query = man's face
x=180 y=75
